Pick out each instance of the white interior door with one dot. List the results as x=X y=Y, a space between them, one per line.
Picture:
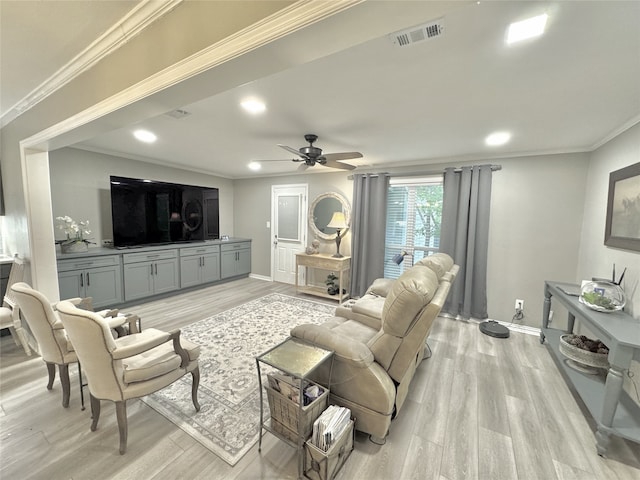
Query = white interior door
x=288 y=229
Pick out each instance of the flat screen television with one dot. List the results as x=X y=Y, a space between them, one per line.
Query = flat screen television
x=148 y=212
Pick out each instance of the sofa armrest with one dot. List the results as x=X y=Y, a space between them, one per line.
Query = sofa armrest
x=348 y=350
x=450 y=276
x=381 y=287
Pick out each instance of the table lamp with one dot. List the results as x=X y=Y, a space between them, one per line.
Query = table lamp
x=339 y=222
x=399 y=257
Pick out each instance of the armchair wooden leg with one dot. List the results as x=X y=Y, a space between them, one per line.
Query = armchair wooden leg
x=195 y=374
x=66 y=385
x=95 y=412
x=51 y=368
x=121 y=415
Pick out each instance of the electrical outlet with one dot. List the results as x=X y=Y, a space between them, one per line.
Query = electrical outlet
x=519 y=304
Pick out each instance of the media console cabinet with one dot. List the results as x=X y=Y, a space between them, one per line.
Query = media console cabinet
x=113 y=277
x=611 y=407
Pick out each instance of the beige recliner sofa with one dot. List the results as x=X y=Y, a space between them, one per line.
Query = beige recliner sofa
x=379 y=341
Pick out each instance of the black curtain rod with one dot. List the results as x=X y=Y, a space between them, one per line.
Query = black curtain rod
x=494 y=168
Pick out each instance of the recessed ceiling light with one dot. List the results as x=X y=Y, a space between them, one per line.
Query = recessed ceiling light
x=255 y=166
x=531 y=27
x=145 y=136
x=253 y=106
x=497 y=138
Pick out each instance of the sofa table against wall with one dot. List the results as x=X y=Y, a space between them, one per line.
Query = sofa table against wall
x=612 y=408
x=341 y=266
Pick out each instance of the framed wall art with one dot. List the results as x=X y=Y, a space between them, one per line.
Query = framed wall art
x=622 y=229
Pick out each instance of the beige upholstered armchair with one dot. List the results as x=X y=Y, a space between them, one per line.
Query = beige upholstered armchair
x=53 y=344
x=10 y=312
x=127 y=367
x=378 y=348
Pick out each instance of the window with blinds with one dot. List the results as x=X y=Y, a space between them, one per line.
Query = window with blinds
x=414 y=213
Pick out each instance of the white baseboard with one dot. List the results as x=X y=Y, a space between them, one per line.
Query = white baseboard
x=260 y=277
x=515 y=327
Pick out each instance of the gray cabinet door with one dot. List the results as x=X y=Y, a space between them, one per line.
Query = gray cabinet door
x=165 y=275
x=138 y=280
x=71 y=284
x=104 y=285
x=228 y=264
x=210 y=267
x=190 y=271
x=244 y=262
x=235 y=259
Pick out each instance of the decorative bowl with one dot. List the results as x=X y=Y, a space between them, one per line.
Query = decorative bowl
x=583 y=360
x=603 y=296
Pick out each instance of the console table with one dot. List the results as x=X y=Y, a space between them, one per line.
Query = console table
x=611 y=407
x=325 y=261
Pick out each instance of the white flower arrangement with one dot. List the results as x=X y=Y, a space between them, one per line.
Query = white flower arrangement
x=75 y=231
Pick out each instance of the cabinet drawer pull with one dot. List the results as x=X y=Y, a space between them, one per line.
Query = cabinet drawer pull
x=82 y=279
x=88 y=280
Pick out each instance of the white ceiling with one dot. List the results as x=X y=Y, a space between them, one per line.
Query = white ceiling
x=431 y=102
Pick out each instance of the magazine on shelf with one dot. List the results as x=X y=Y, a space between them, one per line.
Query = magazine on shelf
x=289 y=386
x=329 y=425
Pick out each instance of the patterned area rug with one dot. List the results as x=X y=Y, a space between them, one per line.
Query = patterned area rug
x=227 y=423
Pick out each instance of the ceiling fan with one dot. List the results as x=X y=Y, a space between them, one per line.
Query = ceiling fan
x=311 y=155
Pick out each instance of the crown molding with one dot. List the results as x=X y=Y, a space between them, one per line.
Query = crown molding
x=149 y=160
x=622 y=128
x=290 y=19
x=140 y=17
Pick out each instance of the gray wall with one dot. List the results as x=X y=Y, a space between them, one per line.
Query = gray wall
x=80 y=187
x=253 y=210
x=536 y=218
x=596 y=259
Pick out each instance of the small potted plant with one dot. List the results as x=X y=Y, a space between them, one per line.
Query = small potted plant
x=330 y=282
x=75 y=232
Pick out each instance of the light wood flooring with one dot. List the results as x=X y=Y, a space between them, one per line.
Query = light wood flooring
x=479 y=408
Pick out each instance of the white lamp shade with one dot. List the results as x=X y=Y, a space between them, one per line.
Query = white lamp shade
x=338 y=221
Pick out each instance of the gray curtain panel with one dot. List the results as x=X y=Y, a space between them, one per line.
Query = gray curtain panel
x=465 y=236
x=368 y=226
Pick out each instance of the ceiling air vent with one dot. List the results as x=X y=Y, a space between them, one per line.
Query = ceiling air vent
x=418 y=34
x=178 y=113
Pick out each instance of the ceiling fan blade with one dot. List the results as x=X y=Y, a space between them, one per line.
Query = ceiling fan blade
x=303 y=167
x=292 y=150
x=282 y=160
x=333 y=164
x=342 y=156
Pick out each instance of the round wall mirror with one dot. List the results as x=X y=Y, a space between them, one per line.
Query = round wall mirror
x=321 y=211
